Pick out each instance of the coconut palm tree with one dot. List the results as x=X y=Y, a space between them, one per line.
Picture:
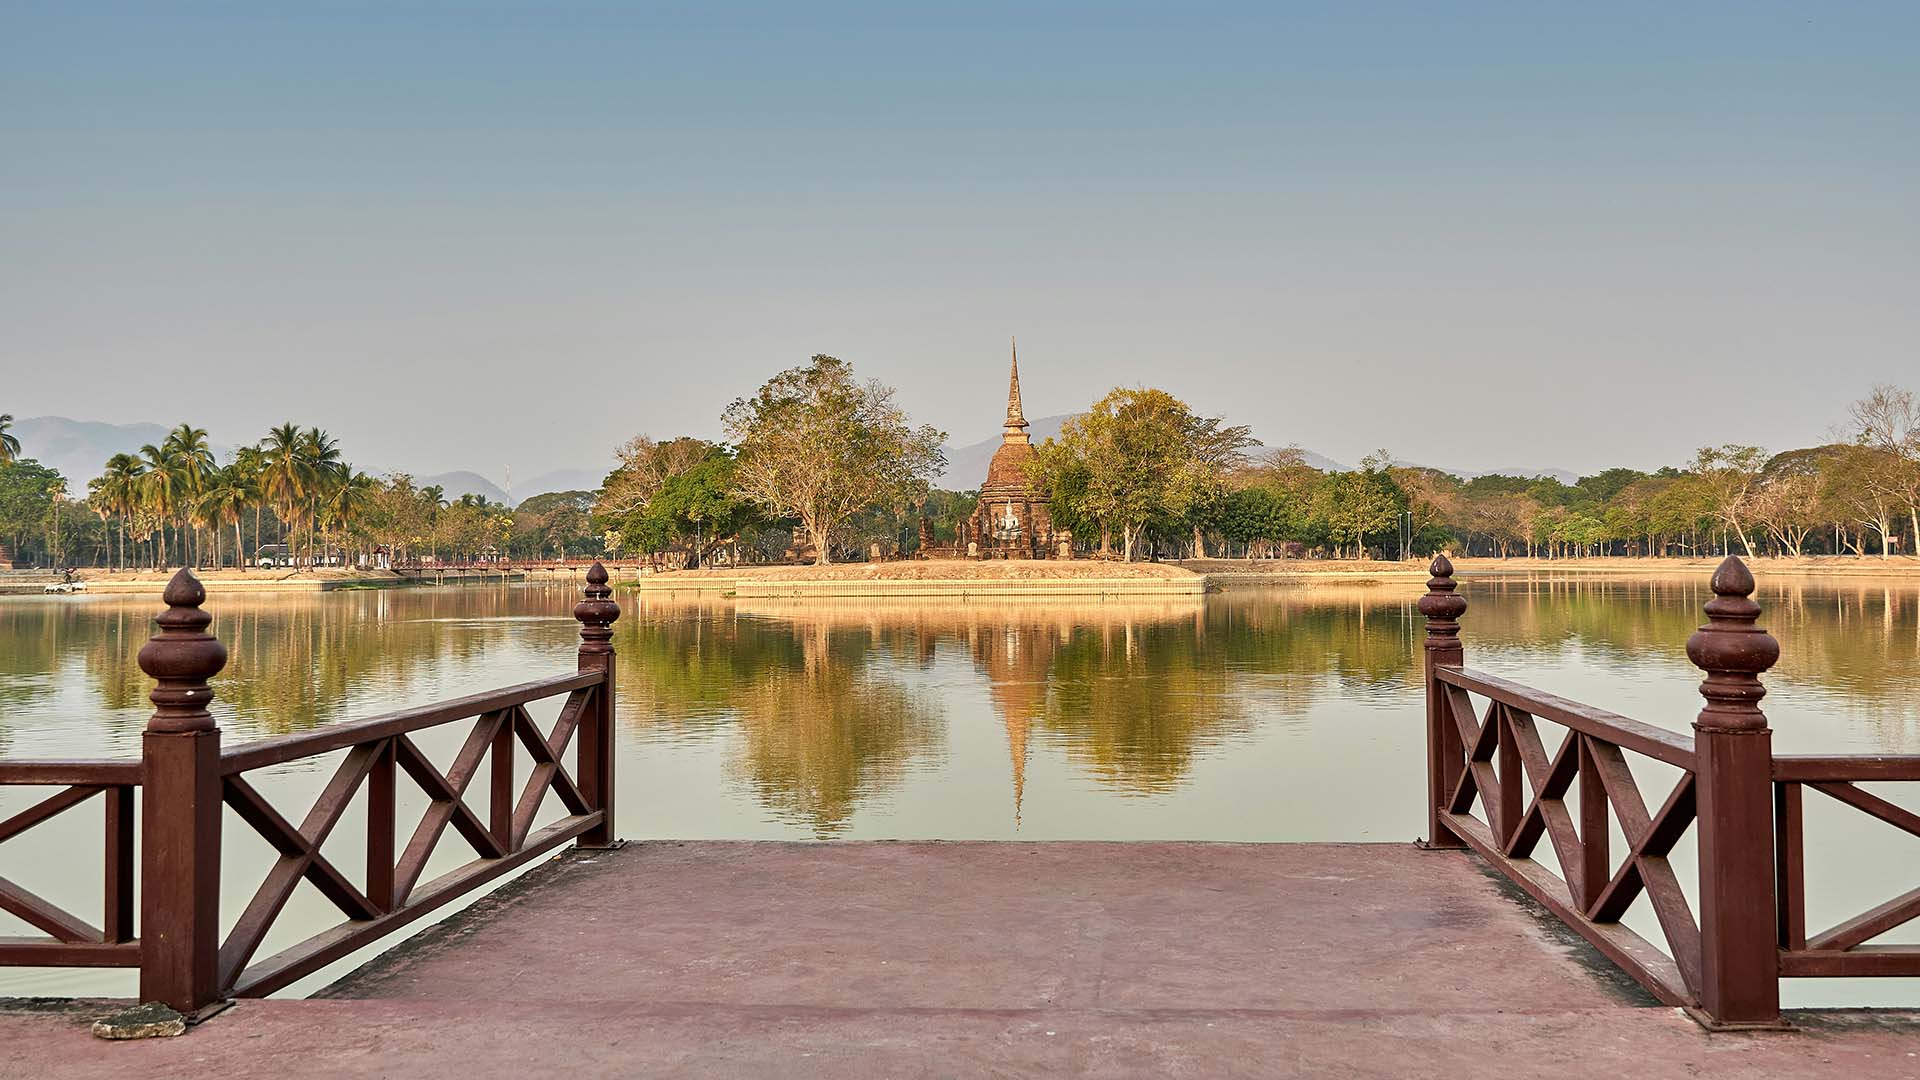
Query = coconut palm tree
x=284 y=478
x=350 y=498
x=320 y=460
x=118 y=491
x=229 y=492
x=162 y=492
x=9 y=445
x=186 y=446
x=251 y=461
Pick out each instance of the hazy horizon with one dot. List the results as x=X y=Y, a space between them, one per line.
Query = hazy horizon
x=1482 y=237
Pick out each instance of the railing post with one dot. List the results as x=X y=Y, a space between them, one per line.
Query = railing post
x=597 y=613
x=1446 y=754
x=1740 y=966
x=180 y=807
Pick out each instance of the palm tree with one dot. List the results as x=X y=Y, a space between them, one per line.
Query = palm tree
x=9 y=445
x=320 y=459
x=186 y=446
x=436 y=497
x=161 y=490
x=224 y=502
x=350 y=498
x=251 y=461
x=119 y=492
x=284 y=478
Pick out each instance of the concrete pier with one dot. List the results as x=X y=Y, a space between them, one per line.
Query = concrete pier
x=981 y=959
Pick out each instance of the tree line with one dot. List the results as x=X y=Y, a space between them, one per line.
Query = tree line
x=819 y=464
x=819 y=455
x=291 y=500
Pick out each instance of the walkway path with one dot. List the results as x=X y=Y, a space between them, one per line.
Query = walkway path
x=981 y=959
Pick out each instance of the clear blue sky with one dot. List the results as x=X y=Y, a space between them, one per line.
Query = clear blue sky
x=469 y=235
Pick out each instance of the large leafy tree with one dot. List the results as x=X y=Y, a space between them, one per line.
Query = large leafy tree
x=818 y=446
x=26 y=499
x=1138 y=457
x=1361 y=502
x=9 y=443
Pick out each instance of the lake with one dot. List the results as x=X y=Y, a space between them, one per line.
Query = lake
x=1265 y=715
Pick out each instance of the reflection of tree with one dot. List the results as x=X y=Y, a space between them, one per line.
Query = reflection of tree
x=1857 y=640
x=299 y=660
x=1135 y=702
x=823 y=727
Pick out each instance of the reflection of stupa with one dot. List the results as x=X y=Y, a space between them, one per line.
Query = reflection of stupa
x=1016 y=660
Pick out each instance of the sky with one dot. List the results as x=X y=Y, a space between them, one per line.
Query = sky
x=478 y=235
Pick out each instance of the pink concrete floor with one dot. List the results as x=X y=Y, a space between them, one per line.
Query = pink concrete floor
x=980 y=959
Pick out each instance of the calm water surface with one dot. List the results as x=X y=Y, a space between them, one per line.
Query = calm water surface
x=1270 y=715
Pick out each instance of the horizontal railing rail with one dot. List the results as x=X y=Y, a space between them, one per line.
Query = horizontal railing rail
x=184 y=777
x=1641 y=738
x=305 y=744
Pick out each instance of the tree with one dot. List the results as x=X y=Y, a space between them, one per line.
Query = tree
x=1731 y=473
x=285 y=479
x=1359 y=502
x=116 y=491
x=9 y=443
x=230 y=491
x=645 y=466
x=817 y=446
x=1137 y=457
x=1888 y=420
x=26 y=498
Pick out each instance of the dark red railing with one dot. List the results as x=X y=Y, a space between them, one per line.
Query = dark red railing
x=71 y=941
x=1728 y=786
x=186 y=776
x=1847 y=948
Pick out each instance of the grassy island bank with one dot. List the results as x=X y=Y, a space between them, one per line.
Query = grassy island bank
x=937 y=577
x=956 y=577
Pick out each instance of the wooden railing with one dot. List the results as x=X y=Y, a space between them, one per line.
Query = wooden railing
x=1727 y=785
x=71 y=940
x=185 y=777
x=1847 y=948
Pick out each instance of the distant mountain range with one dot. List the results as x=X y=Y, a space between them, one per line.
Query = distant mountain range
x=464 y=482
x=967 y=465
x=78 y=449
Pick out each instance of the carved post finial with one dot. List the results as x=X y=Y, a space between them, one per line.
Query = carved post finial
x=1442 y=606
x=596 y=613
x=181 y=657
x=1733 y=651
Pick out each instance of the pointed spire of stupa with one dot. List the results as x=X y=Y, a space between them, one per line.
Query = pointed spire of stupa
x=1016 y=429
x=1017 y=727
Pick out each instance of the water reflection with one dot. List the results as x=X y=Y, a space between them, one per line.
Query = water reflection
x=840 y=717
